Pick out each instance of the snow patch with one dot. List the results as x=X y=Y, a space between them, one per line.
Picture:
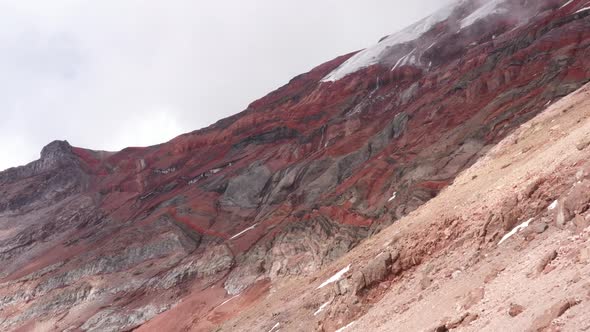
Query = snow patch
x=345 y=327
x=393 y=196
x=582 y=10
x=487 y=9
x=195 y=180
x=516 y=230
x=373 y=55
x=335 y=277
x=244 y=231
x=322 y=307
x=276 y=326
x=226 y=301
x=165 y=171
x=567 y=3
x=405 y=60
x=552 y=206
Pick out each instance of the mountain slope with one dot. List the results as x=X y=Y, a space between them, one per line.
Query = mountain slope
x=109 y=240
x=504 y=248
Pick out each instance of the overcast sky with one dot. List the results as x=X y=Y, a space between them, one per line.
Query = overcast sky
x=115 y=73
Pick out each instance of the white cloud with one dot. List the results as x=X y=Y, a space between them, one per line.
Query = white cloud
x=110 y=74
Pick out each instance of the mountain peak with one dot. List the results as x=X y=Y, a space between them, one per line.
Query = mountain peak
x=56 y=149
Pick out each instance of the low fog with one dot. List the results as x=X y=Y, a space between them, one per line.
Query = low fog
x=110 y=74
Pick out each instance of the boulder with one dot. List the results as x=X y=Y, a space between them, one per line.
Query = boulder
x=546 y=260
x=580 y=222
x=377 y=269
x=584 y=256
x=358 y=281
x=583 y=143
x=515 y=310
x=574 y=202
x=555 y=311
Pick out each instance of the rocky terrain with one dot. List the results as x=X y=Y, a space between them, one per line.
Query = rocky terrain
x=504 y=248
x=399 y=169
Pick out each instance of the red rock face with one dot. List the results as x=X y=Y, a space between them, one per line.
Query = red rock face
x=281 y=189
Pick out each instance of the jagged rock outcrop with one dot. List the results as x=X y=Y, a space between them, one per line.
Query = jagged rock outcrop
x=291 y=184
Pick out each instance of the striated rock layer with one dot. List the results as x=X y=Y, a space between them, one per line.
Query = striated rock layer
x=506 y=247
x=184 y=233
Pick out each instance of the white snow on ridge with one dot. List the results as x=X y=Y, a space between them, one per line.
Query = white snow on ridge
x=408 y=58
x=582 y=10
x=393 y=196
x=275 y=327
x=491 y=7
x=335 y=277
x=553 y=205
x=226 y=301
x=345 y=327
x=567 y=3
x=516 y=230
x=374 y=54
x=322 y=307
x=244 y=231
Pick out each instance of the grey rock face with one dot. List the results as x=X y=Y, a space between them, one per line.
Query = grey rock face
x=14 y=298
x=130 y=257
x=215 y=260
x=271 y=136
x=248 y=269
x=111 y=320
x=52 y=178
x=299 y=249
x=409 y=93
x=245 y=191
x=63 y=299
x=66 y=298
x=55 y=155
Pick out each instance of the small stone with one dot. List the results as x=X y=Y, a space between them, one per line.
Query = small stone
x=440 y=328
x=534 y=229
x=515 y=310
x=463 y=320
x=395 y=254
x=557 y=310
x=341 y=287
x=539 y=227
x=473 y=298
x=583 y=143
x=453 y=324
x=584 y=256
x=547 y=259
x=396 y=267
x=469 y=319
x=425 y=282
x=358 y=282
x=377 y=269
x=561 y=216
x=577 y=201
x=580 y=222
